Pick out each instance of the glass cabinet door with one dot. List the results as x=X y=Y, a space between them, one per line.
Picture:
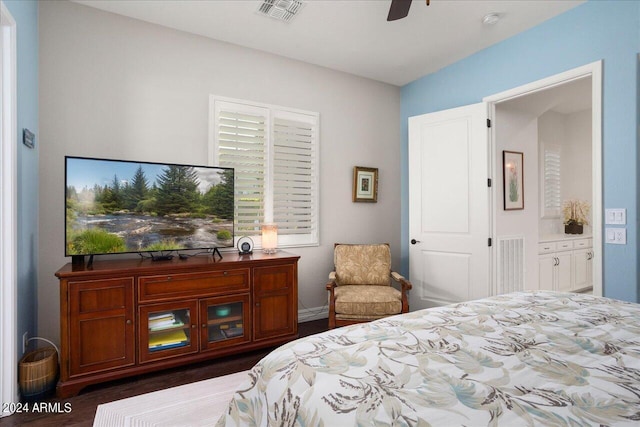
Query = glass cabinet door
x=225 y=321
x=167 y=330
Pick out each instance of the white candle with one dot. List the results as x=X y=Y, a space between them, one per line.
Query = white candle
x=269 y=238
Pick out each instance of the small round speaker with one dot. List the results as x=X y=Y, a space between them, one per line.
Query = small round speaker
x=245 y=245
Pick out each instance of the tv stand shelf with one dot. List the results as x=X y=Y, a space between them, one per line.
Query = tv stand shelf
x=120 y=318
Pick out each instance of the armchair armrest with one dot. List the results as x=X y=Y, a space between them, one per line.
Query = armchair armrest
x=332 y=281
x=406 y=285
x=400 y=279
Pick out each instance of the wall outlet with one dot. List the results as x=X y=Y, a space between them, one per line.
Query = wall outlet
x=615 y=235
x=25 y=342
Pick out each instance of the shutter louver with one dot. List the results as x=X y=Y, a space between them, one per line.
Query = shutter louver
x=242 y=146
x=551 y=177
x=294 y=176
x=274 y=153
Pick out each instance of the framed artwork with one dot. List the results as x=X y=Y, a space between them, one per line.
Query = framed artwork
x=365 y=184
x=513 y=179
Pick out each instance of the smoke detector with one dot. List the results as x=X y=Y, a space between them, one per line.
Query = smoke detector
x=282 y=10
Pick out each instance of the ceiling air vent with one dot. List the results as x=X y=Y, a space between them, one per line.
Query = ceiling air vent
x=283 y=10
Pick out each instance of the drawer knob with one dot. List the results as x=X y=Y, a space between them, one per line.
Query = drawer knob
x=128 y=321
x=226 y=273
x=193 y=326
x=204 y=325
x=169 y=278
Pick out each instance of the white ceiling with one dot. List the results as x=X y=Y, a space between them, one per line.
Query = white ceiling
x=352 y=35
x=566 y=98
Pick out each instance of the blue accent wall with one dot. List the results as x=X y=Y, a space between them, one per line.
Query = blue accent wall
x=25 y=13
x=593 y=31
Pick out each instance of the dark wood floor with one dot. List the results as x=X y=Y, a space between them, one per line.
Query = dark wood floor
x=83 y=406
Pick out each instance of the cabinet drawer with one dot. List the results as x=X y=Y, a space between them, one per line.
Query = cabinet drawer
x=545 y=248
x=170 y=286
x=582 y=243
x=564 y=246
x=96 y=296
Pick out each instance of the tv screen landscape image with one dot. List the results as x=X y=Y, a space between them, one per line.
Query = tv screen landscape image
x=117 y=206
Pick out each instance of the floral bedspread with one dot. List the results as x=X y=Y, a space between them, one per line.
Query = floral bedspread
x=527 y=358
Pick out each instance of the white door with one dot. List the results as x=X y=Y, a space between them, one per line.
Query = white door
x=547 y=272
x=565 y=271
x=449 y=209
x=582 y=270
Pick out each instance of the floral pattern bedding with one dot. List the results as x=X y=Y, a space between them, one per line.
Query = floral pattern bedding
x=527 y=358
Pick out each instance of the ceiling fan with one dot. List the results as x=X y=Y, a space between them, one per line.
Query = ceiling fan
x=399 y=9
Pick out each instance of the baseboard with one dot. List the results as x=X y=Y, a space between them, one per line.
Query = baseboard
x=316 y=313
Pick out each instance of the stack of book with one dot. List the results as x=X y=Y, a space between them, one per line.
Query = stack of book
x=168 y=339
x=164 y=333
x=231 y=330
x=160 y=321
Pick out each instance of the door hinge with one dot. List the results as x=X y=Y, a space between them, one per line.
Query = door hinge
x=488 y=182
x=489 y=242
x=488 y=123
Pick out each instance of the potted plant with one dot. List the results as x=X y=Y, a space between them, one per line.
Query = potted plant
x=576 y=214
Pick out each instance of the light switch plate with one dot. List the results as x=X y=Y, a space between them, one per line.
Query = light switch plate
x=615 y=236
x=615 y=216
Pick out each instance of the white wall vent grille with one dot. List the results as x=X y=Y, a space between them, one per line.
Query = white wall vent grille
x=283 y=10
x=511 y=264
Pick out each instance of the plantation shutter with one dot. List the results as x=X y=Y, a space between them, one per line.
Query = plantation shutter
x=241 y=135
x=551 y=181
x=294 y=173
x=274 y=153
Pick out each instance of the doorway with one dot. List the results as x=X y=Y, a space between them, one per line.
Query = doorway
x=517 y=118
x=556 y=123
x=8 y=197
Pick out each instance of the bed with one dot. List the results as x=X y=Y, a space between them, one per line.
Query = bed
x=527 y=358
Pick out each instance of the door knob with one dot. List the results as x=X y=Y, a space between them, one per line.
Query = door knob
x=414 y=241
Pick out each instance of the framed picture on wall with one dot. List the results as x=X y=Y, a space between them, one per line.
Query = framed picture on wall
x=365 y=184
x=513 y=180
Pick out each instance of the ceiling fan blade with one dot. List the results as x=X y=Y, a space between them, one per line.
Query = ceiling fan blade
x=399 y=9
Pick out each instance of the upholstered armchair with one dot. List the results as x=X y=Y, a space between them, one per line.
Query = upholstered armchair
x=360 y=287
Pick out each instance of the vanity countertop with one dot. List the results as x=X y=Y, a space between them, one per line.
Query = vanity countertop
x=560 y=237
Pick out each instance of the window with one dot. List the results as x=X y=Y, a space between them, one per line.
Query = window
x=551 y=203
x=274 y=151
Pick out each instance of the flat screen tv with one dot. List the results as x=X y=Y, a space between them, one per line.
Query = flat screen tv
x=119 y=206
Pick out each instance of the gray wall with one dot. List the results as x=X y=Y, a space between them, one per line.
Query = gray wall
x=115 y=87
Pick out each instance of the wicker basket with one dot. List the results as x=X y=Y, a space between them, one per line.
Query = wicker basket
x=38 y=373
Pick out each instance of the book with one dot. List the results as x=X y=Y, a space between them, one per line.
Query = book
x=168 y=338
x=162 y=316
x=161 y=320
x=165 y=320
x=162 y=326
x=168 y=346
x=232 y=332
x=163 y=323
